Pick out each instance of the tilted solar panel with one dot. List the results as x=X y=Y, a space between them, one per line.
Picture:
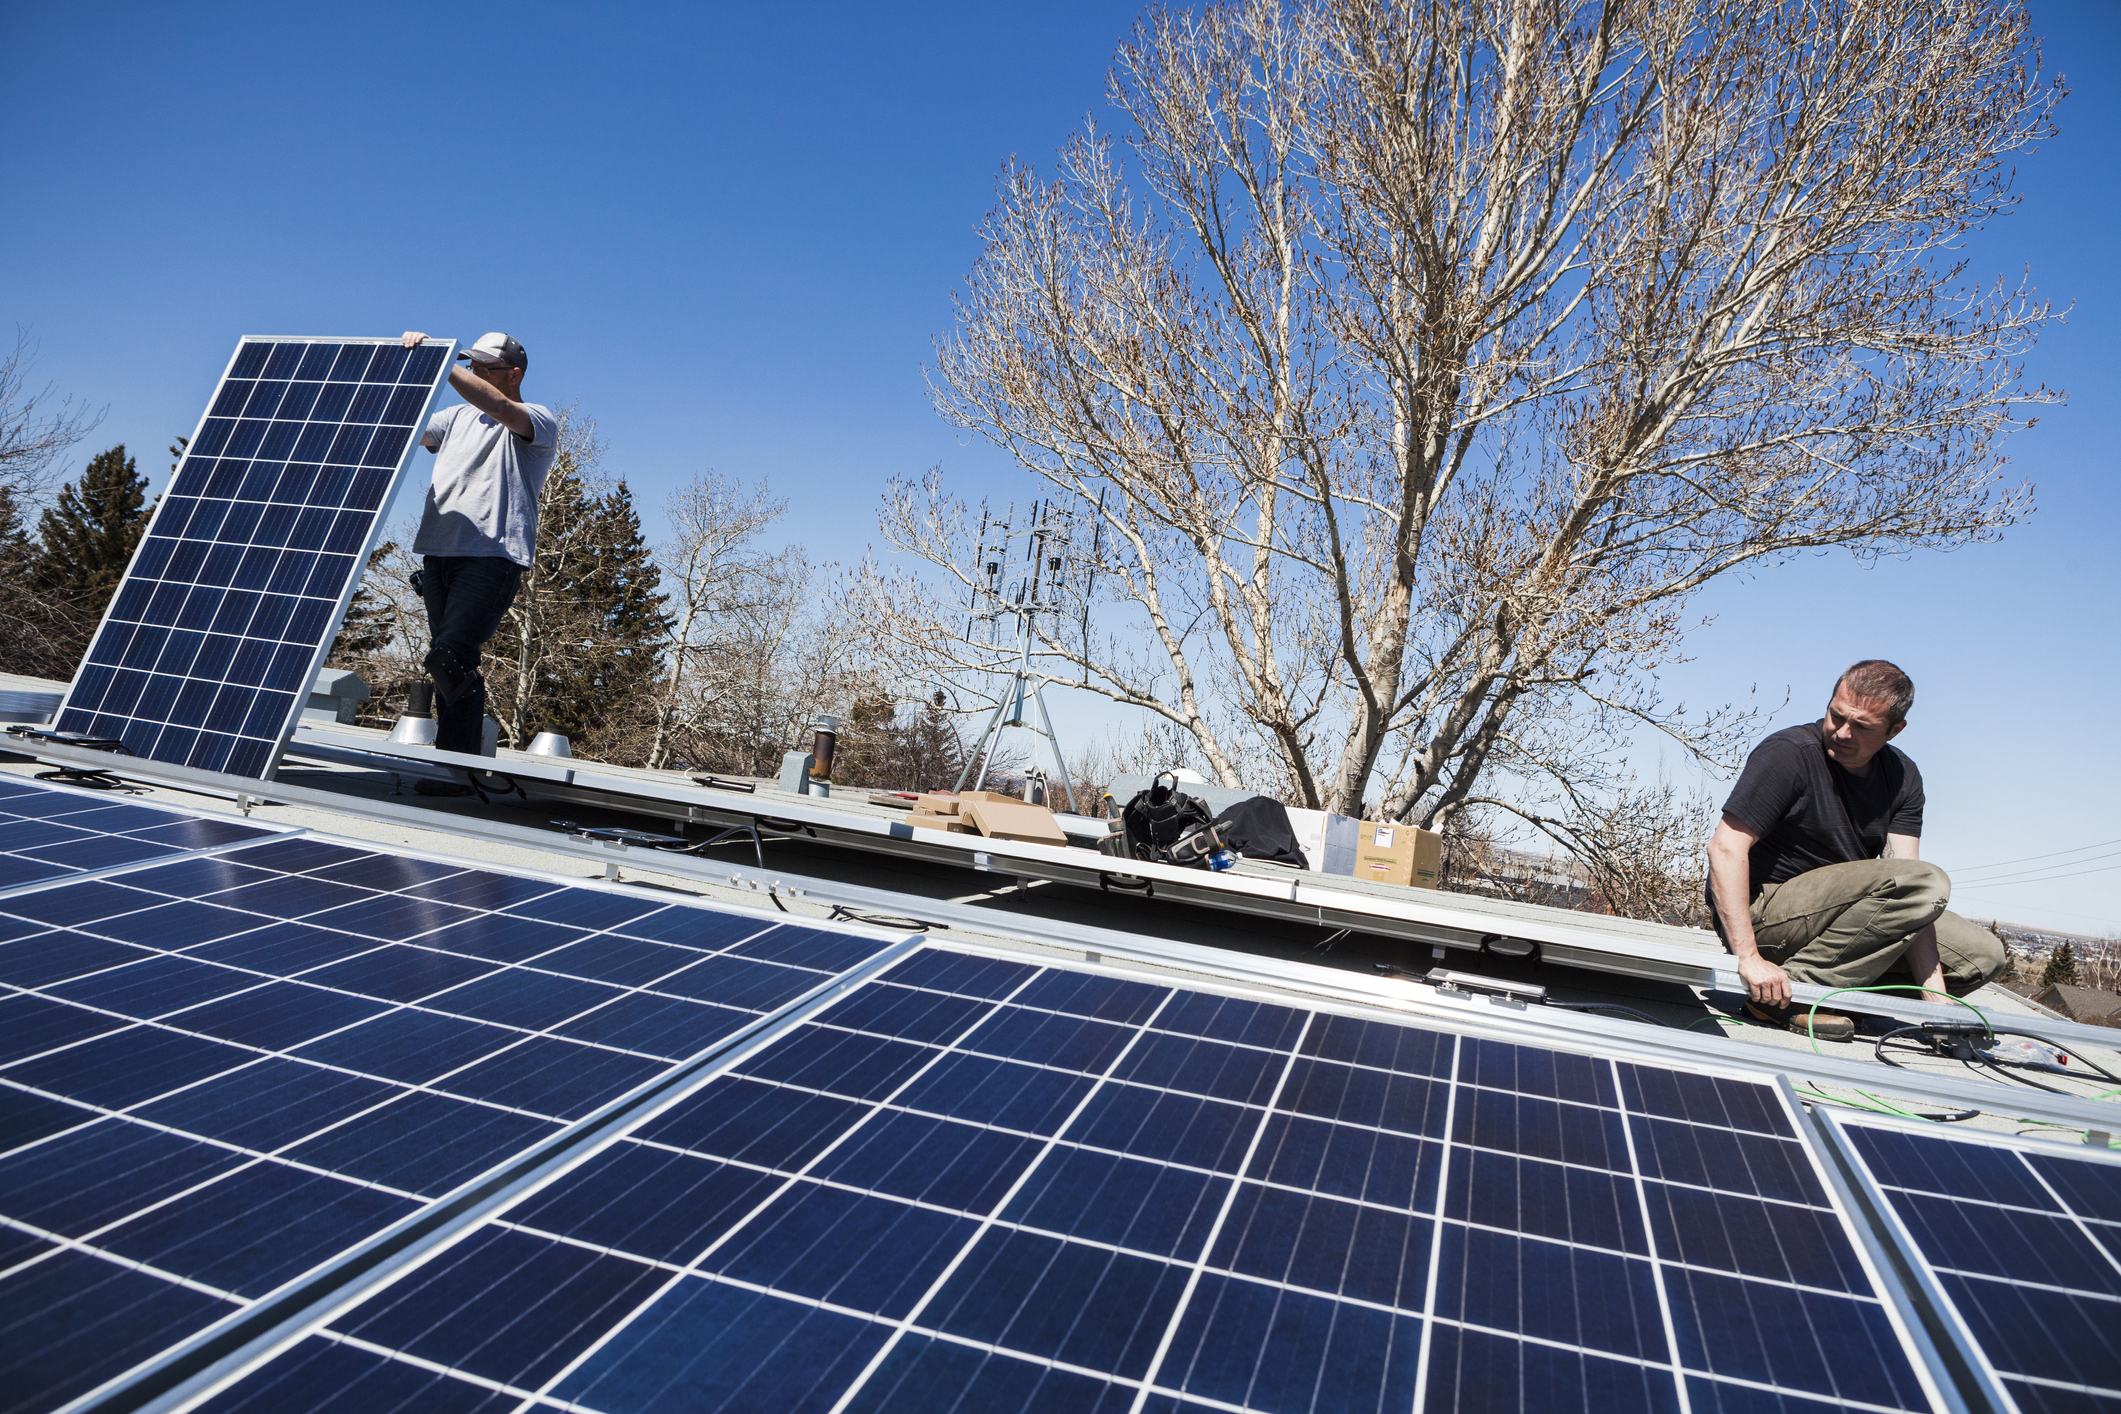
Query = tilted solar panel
x=48 y=833
x=209 y=646
x=2023 y=1241
x=975 y=1183
x=219 y=1072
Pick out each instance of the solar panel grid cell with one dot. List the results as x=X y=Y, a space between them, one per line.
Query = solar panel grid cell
x=2025 y=1244
x=1030 y=1184
x=222 y=1071
x=213 y=634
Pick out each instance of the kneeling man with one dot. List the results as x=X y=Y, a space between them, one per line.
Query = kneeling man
x=1814 y=874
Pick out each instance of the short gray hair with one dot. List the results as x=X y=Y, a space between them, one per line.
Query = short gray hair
x=1875 y=680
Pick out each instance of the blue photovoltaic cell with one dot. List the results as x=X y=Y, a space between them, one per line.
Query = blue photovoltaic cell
x=2025 y=1242
x=983 y=1184
x=47 y=833
x=219 y=1072
x=214 y=633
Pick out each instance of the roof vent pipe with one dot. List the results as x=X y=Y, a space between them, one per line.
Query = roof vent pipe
x=417 y=726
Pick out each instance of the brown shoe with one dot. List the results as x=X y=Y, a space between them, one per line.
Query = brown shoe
x=1825 y=1025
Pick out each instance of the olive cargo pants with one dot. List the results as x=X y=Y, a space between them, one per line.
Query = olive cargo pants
x=1847 y=925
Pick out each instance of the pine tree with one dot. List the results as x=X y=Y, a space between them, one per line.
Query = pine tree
x=2061 y=967
x=86 y=541
x=35 y=638
x=578 y=652
x=632 y=612
x=931 y=752
x=604 y=580
x=869 y=752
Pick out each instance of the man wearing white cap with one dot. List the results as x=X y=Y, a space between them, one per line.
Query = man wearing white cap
x=478 y=528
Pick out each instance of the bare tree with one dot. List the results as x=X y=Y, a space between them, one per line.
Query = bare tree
x=715 y=574
x=1424 y=360
x=35 y=430
x=39 y=634
x=758 y=676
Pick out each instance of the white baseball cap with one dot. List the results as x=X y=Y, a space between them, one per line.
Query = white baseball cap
x=496 y=348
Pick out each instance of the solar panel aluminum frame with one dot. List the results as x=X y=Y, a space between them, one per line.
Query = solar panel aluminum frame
x=1296 y=897
x=1951 y=1358
x=353 y=583
x=1938 y=1311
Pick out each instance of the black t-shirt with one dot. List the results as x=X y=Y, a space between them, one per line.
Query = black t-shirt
x=1810 y=813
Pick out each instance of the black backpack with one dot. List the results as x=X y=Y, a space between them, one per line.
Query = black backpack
x=1161 y=821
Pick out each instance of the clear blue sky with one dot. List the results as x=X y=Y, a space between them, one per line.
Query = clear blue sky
x=728 y=233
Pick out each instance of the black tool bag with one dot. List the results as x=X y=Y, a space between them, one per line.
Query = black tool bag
x=1160 y=822
x=1259 y=829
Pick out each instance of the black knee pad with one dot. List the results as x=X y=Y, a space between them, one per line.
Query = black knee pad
x=453 y=681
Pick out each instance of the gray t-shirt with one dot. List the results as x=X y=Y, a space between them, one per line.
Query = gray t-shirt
x=484 y=500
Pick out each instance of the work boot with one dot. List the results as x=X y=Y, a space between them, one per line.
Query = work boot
x=1824 y=1025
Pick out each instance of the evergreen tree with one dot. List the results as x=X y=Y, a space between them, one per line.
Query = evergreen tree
x=578 y=652
x=930 y=749
x=632 y=611
x=35 y=639
x=869 y=749
x=605 y=582
x=2061 y=967
x=89 y=537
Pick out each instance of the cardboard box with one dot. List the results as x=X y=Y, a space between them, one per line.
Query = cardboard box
x=938 y=822
x=1398 y=854
x=935 y=804
x=1006 y=819
x=993 y=796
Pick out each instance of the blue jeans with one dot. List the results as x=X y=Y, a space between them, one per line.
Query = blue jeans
x=466 y=596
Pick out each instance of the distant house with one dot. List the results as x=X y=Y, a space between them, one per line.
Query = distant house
x=2086 y=1004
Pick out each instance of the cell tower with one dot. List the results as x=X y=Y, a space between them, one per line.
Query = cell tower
x=1003 y=587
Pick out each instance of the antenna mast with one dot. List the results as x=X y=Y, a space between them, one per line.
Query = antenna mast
x=1045 y=535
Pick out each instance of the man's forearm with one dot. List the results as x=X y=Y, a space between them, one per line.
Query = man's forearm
x=483 y=396
x=1731 y=883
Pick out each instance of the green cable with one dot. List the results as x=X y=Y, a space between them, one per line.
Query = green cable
x=1886 y=1107
x=1882 y=1107
x=1894 y=987
x=1931 y=991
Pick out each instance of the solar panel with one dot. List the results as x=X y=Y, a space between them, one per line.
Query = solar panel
x=206 y=653
x=48 y=833
x=2023 y=1242
x=219 y=1072
x=977 y=1183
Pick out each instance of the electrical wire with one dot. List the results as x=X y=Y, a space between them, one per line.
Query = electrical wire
x=1613 y=1007
x=1997 y=1066
x=1813 y=1036
x=2007 y=880
x=2029 y=858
